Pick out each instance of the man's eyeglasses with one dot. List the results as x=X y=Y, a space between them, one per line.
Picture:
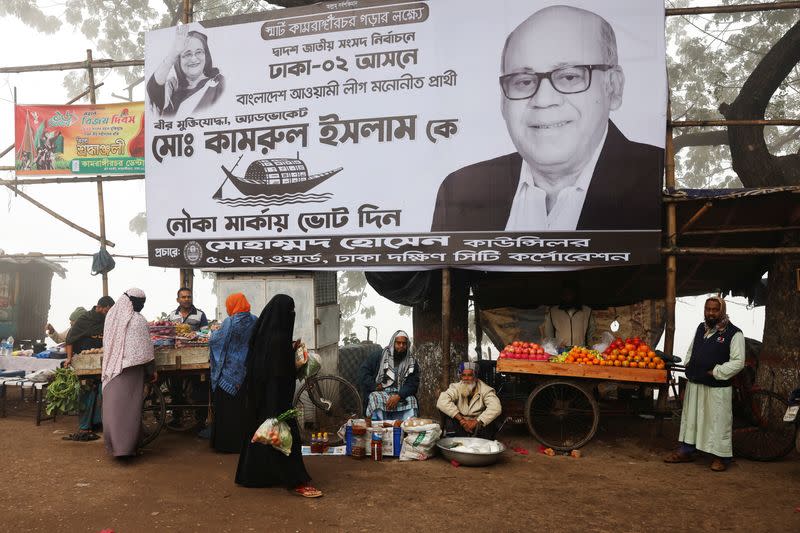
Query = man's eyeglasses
x=566 y=80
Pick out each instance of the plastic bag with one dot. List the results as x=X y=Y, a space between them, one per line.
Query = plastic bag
x=300 y=356
x=276 y=432
x=550 y=346
x=419 y=443
x=102 y=262
x=311 y=367
x=605 y=341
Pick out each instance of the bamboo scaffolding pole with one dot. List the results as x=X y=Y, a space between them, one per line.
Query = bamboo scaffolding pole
x=186 y=275
x=74 y=65
x=700 y=212
x=670 y=290
x=672 y=266
x=59 y=217
x=753 y=229
x=87 y=179
x=101 y=211
x=700 y=250
x=679 y=199
x=742 y=8
x=737 y=122
x=446 y=291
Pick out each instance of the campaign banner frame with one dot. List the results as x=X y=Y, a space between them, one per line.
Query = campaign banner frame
x=93 y=139
x=376 y=119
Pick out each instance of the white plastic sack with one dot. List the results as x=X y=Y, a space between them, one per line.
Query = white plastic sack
x=43 y=375
x=419 y=443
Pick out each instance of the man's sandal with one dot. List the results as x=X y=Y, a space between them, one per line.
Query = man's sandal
x=718 y=465
x=678 y=457
x=308 y=492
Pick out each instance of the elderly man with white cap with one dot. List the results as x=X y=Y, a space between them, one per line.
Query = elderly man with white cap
x=388 y=381
x=470 y=405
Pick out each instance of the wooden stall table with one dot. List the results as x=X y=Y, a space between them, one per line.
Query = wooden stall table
x=157 y=405
x=562 y=411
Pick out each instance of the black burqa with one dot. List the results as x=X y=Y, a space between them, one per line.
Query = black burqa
x=269 y=388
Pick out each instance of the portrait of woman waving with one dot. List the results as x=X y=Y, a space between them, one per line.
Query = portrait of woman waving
x=186 y=81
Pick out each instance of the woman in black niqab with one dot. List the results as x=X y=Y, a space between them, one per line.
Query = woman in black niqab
x=269 y=388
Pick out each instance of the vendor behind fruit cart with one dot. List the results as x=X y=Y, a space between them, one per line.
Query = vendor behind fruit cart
x=470 y=405
x=569 y=322
x=57 y=337
x=86 y=334
x=388 y=381
x=187 y=313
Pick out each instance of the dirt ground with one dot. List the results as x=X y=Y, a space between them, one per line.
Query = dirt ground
x=179 y=484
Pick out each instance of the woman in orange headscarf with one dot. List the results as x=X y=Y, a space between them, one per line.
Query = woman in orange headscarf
x=228 y=347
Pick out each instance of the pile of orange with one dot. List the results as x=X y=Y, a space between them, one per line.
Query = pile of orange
x=580 y=355
x=632 y=353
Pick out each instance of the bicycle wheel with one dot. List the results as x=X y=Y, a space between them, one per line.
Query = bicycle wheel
x=562 y=415
x=761 y=434
x=325 y=404
x=154 y=414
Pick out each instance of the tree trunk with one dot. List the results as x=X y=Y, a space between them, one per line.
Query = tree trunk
x=757 y=167
x=428 y=338
x=779 y=362
x=751 y=158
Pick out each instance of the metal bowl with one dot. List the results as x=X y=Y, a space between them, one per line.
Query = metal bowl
x=468 y=458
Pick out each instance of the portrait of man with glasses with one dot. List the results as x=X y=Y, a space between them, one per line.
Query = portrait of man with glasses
x=573 y=168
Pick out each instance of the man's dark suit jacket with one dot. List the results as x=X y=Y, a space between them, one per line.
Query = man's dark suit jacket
x=624 y=194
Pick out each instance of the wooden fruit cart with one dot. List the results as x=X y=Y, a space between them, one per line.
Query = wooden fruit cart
x=157 y=406
x=562 y=411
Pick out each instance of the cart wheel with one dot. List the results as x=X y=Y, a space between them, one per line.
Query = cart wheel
x=561 y=415
x=183 y=418
x=154 y=414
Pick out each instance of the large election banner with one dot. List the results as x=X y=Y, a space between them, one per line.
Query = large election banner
x=79 y=139
x=358 y=134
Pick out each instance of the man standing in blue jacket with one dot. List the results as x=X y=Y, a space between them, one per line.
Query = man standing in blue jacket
x=389 y=379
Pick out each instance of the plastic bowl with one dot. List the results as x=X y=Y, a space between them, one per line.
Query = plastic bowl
x=468 y=458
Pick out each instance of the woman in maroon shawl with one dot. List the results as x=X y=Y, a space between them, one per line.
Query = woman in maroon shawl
x=269 y=387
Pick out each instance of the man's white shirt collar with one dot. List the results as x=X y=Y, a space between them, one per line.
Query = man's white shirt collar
x=529 y=208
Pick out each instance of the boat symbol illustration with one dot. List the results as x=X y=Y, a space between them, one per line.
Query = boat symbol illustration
x=274 y=177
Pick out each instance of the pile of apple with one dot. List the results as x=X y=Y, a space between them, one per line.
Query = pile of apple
x=524 y=350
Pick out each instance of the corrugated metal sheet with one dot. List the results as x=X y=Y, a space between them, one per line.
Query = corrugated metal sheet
x=33 y=302
x=9 y=260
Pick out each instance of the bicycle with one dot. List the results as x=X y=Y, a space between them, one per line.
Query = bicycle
x=325 y=403
x=759 y=432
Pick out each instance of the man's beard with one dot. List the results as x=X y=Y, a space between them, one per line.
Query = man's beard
x=712 y=322
x=465 y=390
x=398 y=356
